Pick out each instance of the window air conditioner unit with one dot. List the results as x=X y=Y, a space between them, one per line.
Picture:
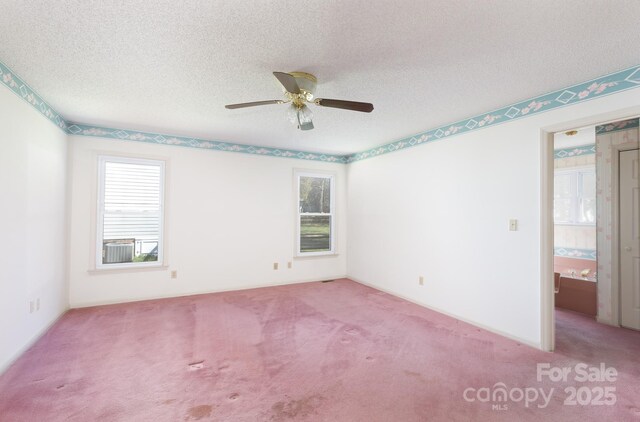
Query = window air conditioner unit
x=115 y=253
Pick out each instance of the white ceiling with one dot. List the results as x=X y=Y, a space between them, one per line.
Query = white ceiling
x=585 y=136
x=170 y=66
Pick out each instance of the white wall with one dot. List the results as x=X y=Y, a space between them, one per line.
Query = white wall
x=441 y=210
x=33 y=159
x=229 y=217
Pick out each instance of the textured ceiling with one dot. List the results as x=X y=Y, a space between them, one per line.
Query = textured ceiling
x=171 y=66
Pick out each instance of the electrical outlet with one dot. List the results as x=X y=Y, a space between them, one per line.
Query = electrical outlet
x=275 y=265
x=32 y=306
x=421 y=280
x=37 y=304
x=513 y=225
x=174 y=274
x=289 y=264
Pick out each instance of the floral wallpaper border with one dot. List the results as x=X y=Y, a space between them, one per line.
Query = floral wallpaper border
x=590 y=254
x=19 y=87
x=605 y=85
x=574 y=151
x=163 y=139
x=616 y=126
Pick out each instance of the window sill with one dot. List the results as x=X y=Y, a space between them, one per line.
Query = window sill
x=316 y=256
x=132 y=269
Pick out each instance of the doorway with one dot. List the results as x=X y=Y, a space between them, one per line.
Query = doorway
x=574 y=221
x=611 y=138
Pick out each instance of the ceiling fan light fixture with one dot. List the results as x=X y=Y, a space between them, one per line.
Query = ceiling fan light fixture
x=292 y=114
x=300 y=116
x=305 y=115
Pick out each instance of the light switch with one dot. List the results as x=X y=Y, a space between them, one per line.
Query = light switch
x=513 y=225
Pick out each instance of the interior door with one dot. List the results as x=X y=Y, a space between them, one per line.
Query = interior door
x=630 y=239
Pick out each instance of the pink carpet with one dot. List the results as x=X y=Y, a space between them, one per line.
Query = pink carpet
x=335 y=351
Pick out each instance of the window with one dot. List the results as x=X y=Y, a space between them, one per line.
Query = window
x=130 y=212
x=574 y=197
x=315 y=216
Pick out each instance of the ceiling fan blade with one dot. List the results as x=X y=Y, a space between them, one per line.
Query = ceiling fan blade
x=253 y=104
x=288 y=82
x=346 y=105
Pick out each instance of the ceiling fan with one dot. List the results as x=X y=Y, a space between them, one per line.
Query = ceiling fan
x=299 y=89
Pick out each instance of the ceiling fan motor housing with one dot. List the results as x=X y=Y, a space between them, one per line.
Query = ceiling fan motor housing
x=307 y=84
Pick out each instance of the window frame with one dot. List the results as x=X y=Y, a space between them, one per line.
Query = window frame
x=100 y=212
x=576 y=177
x=298 y=173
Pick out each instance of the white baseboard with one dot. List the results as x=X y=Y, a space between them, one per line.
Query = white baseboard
x=606 y=321
x=196 y=293
x=30 y=343
x=449 y=314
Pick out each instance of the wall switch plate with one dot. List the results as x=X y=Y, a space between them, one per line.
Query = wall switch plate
x=32 y=306
x=513 y=225
x=174 y=274
x=289 y=264
x=37 y=304
x=421 y=280
x=275 y=265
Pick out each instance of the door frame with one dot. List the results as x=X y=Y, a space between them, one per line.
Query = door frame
x=547 y=296
x=616 y=310
x=547 y=285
